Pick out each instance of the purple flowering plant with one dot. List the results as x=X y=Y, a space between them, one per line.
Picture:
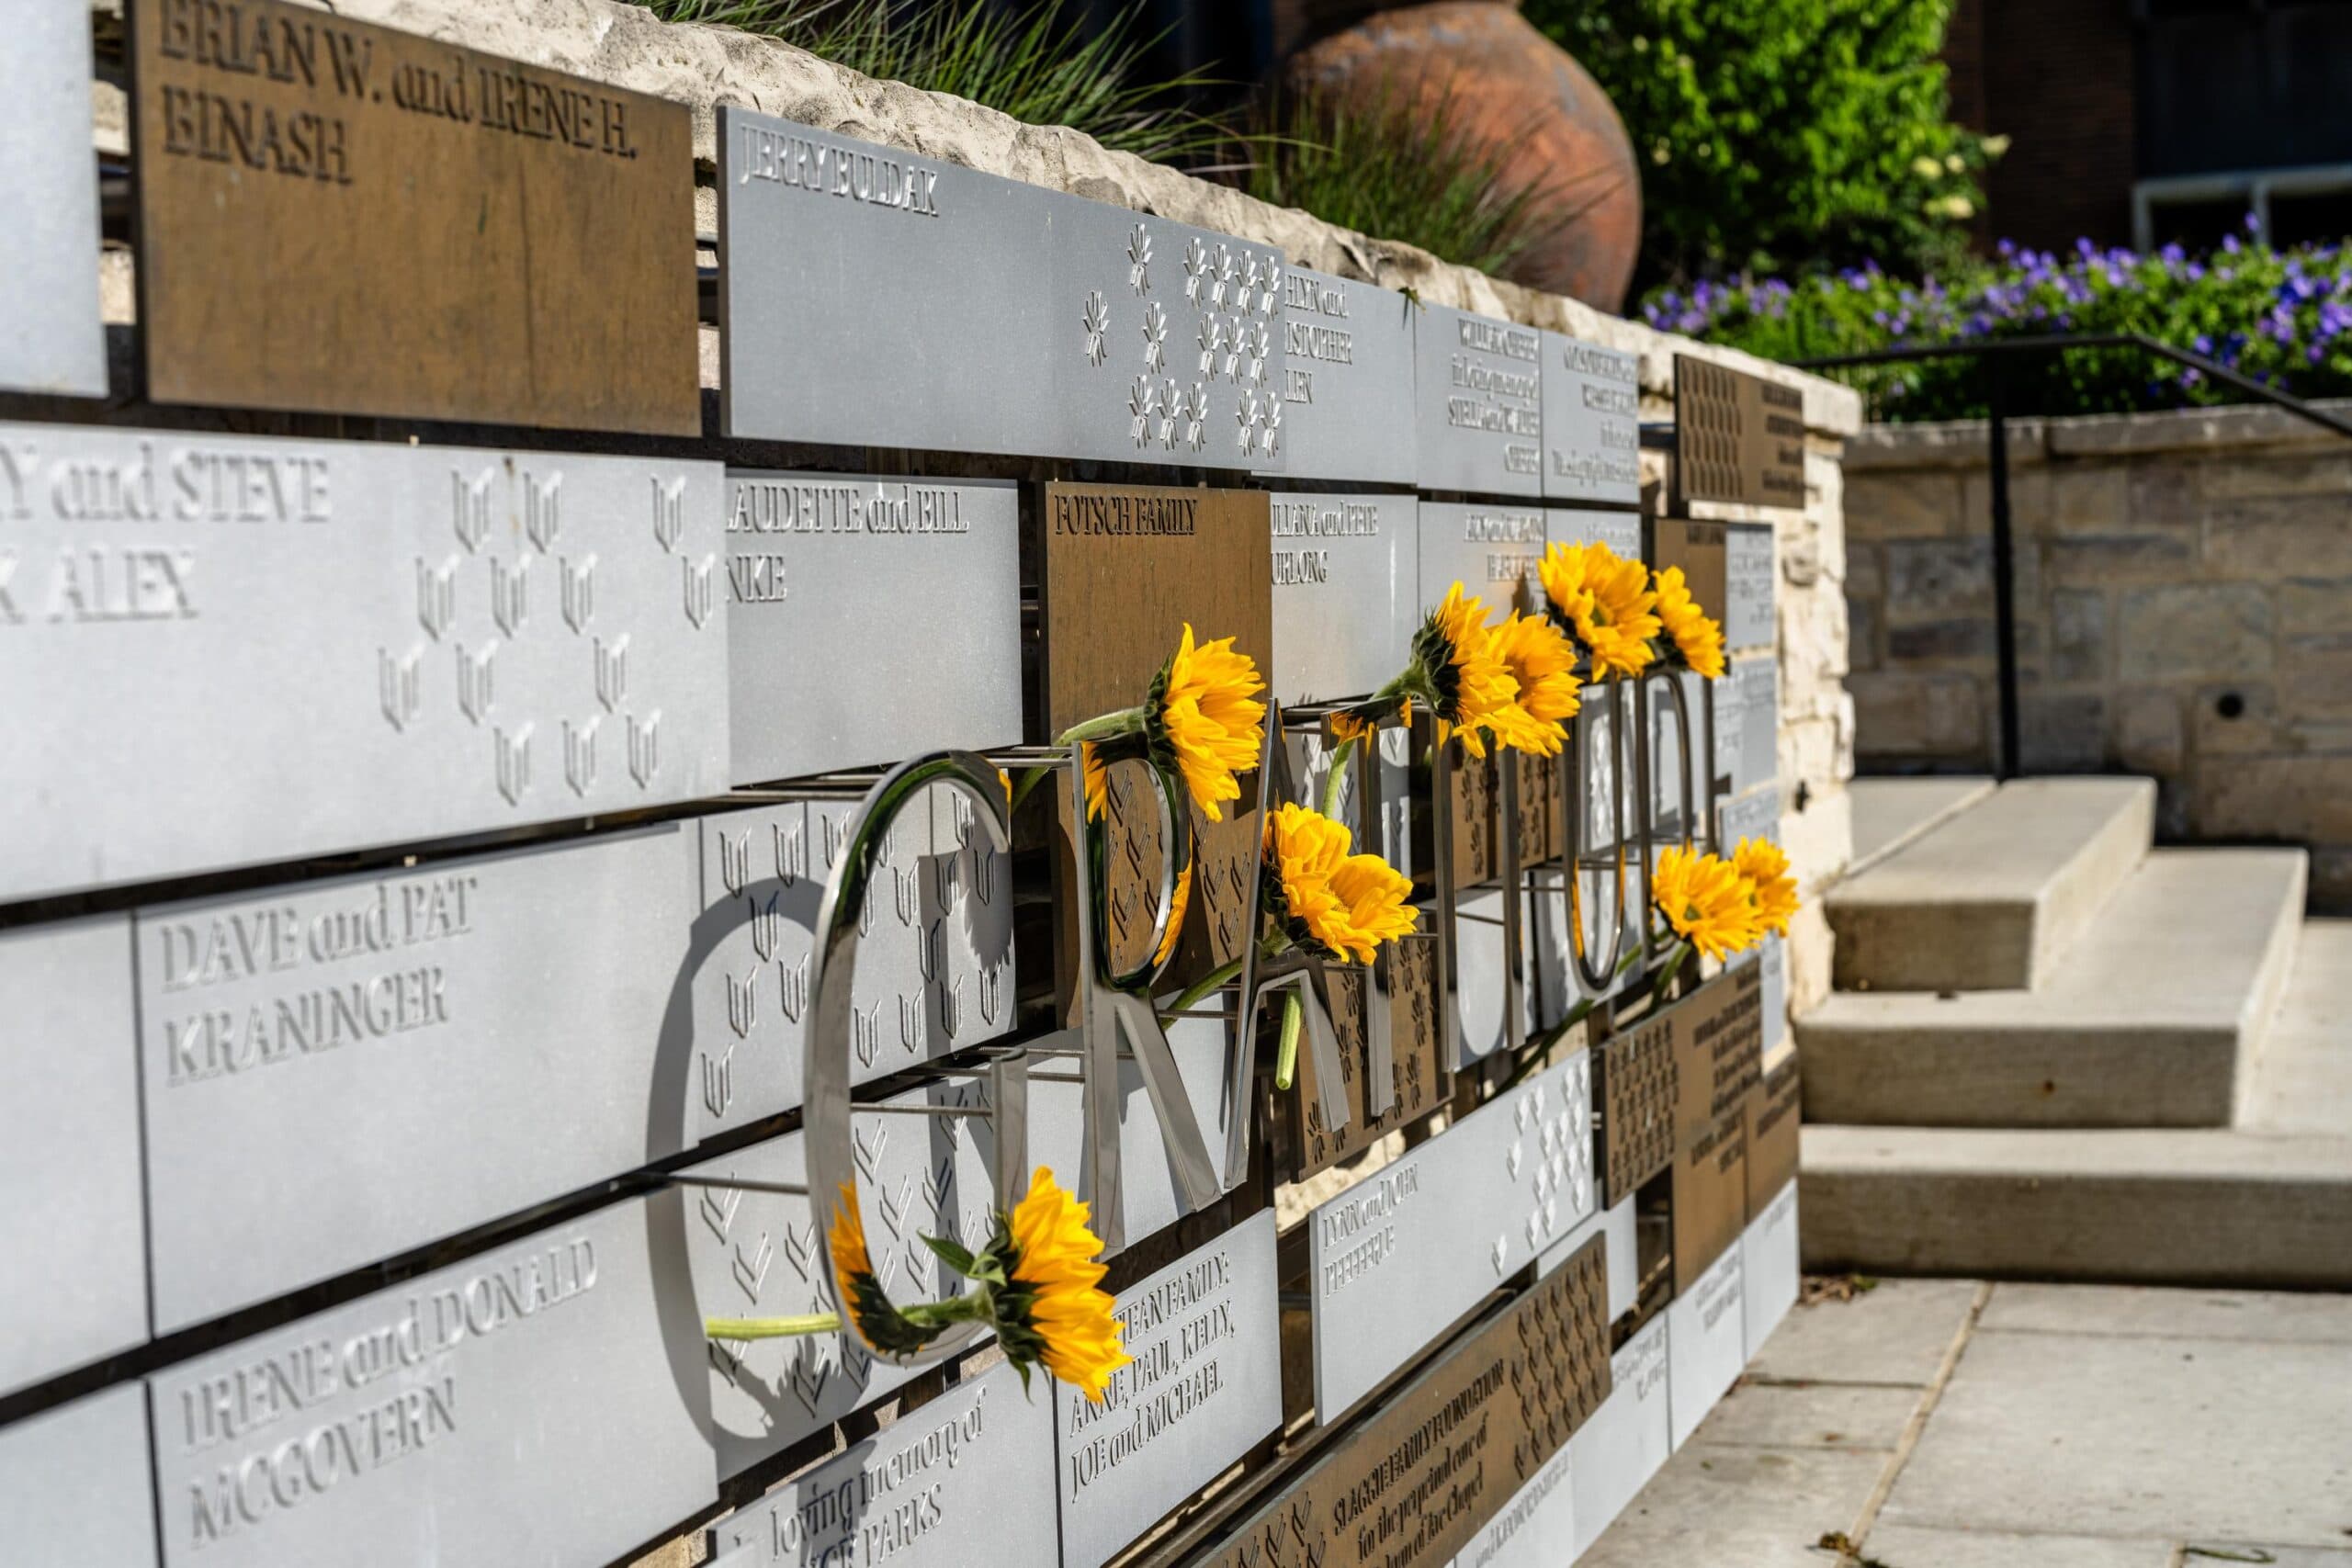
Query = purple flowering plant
x=2281 y=316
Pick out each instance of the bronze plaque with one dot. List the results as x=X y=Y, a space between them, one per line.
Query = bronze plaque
x=1542 y=819
x=1774 y=1111
x=1737 y=438
x=1415 y=1484
x=338 y=218
x=1125 y=568
x=1478 y=847
x=1636 y=1094
x=1698 y=549
x=1417 y=1076
x=1718 y=1034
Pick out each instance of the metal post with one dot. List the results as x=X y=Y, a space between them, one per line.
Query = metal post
x=2009 y=764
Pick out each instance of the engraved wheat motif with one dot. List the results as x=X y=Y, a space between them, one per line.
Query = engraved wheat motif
x=865 y=1034
x=645 y=749
x=700 y=597
x=579 y=593
x=474 y=686
x=718 y=1209
x=735 y=860
x=719 y=1081
x=612 y=671
x=794 y=987
x=580 y=756
x=510 y=594
x=470 y=513
x=791 y=853
x=1097 y=322
x=767 y=930
x=1139 y=259
x=669 y=515
x=542 y=516
x=398 y=686
x=742 y=1005
x=436 y=596
x=513 y=759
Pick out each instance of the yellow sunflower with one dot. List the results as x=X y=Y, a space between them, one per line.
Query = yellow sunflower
x=1543 y=664
x=1706 y=901
x=1177 y=902
x=1205 y=717
x=1606 y=602
x=1697 y=634
x=1766 y=870
x=1466 y=683
x=1342 y=903
x=1098 y=781
x=1054 y=1307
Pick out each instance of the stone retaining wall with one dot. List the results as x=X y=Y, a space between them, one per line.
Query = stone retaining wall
x=2183 y=591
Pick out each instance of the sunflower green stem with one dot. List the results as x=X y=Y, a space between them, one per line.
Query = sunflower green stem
x=1104 y=727
x=1286 y=1056
x=978 y=1306
x=1337 y=779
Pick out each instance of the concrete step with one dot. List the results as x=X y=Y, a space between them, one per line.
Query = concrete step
x=1890 y=813
x=2186 y=1208
x=1986 y=900
x=2152 y=1018
x=2301 y=1078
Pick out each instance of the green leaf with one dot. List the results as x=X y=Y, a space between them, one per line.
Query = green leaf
x=955 y=1256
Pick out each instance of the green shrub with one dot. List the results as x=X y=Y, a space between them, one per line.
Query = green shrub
x=2282 y=318
x=1782 y=133
x=1388 y=167
x=1035 y=66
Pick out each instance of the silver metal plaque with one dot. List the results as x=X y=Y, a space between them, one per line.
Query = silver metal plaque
x=73 y=1233
x=1612 y=1456
x=76 y=1485
x=934 y=971
x=1493 y=549
x=1616 y=1228
x=1768 y=1252
x=1347 y=593
x=338 y=1071
x=760 y=1254
x=1395 y=1259
x=51 y=340
x=1592 y=421
x=1347 y=385
x=1706 y=1341
x=1149 y=1193
x=967 y=312
x=540 y=1402
x=869 y=619
x=1478 y=403
x=316 y=646
x=1536 y=1528
x=1666 y=759
x=1205 y=1384
x=1750 y=575
x=1479 y=991
x=1751 y=748
x=1757 y=815
x=970 y=1472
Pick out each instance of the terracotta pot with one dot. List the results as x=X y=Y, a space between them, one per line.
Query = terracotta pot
x=1511 y=87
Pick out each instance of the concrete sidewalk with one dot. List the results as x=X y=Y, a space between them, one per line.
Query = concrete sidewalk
x=1947 y=1423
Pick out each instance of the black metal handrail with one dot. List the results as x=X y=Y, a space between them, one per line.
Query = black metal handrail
x=1992 y=355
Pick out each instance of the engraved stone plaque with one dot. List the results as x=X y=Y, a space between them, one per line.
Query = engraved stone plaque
x=1536 y=1528
x=763 y=1255
x=504 y=1020
x=1629 y=1439
x=974 y=1464
x=1347 y=384
x=1347 y=593
x=982 y=315
x=476 y=1414
x=1205 y=1386
x=869 y=619
x=1477 y=403
x=342 y=217
x=1494 y=551
x=325 y=645
x=935 y=964
x=1768 y=1260
x=49 y=337
x=1621 y=531
x=1618 y=1229
x=76 y=1486
x=1415 y=1484
x=1147 y=1183
x=73 y=1234
x=1750 y=576
x=1592 y=425
x=1738 y=438
x=1757 y=815
x=1706 y=1337
x=1398 y=1257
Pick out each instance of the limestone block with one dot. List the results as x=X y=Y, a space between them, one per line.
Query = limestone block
x=2061 y=732
x=2311 y=606
x=1901 y=504
x=1861 y=634
x=1865 y=569
x=2305 y=797
x=2077 y=633
x=2195 y=630
x=1939 y=578
x=2100 y=560
x=2029 y=499
x=2316 y=674
x=2304 y=535
x=2246 y=475
x=1899 y=714
x=1969 y=641
x=2162 y=494
x=2148 y=730
x=2096 y=495
x=2236 y=718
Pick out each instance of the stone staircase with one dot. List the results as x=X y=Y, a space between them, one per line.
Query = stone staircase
x=2054 y=1051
